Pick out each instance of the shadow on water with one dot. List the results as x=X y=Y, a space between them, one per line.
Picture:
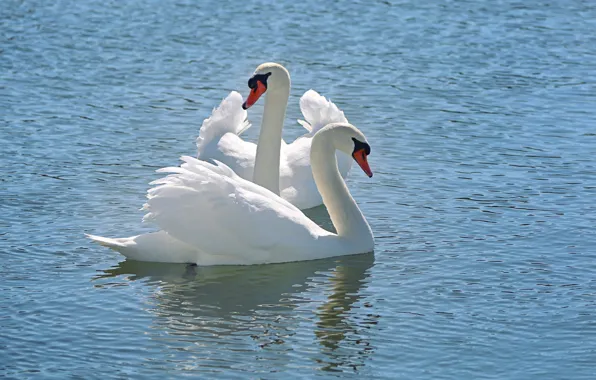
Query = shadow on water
x=333 y=326
x=320 y=216
x=262 y=307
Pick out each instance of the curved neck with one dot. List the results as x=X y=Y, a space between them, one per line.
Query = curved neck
x=345 y=214
x=266 y=171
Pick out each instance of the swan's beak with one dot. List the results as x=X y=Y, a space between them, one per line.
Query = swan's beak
x=254 y=95
x=360 y=157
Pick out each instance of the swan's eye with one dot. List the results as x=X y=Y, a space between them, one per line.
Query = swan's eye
x=252 y=82
x=359 y=145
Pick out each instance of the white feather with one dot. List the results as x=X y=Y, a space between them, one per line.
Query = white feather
x=210 y=207
x=318 y=112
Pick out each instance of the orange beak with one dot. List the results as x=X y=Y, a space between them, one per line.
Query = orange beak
x=254 y=95
x=360 y=157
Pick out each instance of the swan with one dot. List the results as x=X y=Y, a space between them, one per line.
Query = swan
x=282 y=168
x=212 y=216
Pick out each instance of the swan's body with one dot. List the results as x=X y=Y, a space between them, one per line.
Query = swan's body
x=211 y=216
x=282 y=168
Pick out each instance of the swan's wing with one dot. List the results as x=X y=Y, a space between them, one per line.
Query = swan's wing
x=209 y=207
x=318 y=112
x=229 y=117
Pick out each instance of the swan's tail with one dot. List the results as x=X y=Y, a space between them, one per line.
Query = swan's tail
x=115 y=244
x=155 y=246
x=318 y=112
x=229 y=117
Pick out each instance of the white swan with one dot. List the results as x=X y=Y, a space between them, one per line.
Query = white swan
x=212 y=216
x=282 y=168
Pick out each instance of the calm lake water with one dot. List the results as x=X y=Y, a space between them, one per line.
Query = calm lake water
x=482 y=122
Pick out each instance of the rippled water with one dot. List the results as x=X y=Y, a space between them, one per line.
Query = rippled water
x=482 y=123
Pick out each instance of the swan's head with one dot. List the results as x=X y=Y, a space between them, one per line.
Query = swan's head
x=268 y=77
x=350 y=140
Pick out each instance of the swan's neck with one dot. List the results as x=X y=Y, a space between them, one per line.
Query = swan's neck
x=266 y=172
x=345 y=214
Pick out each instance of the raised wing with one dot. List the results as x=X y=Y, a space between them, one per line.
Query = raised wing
x=209 y=207
x=318 y=112
x=228 y=117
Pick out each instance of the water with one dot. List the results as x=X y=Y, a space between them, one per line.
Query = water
x=482 y=124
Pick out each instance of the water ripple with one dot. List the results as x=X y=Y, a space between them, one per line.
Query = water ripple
x=480 y=118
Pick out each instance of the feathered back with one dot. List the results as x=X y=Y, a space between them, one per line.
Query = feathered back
x=318 y=112
x=228 y=117
x=228 y=219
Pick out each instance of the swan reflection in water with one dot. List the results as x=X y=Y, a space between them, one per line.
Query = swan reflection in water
x=212 y=317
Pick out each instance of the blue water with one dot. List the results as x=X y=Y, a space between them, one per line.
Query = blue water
x=482 y=122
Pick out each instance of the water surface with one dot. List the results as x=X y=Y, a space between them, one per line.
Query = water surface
x=482 y=123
